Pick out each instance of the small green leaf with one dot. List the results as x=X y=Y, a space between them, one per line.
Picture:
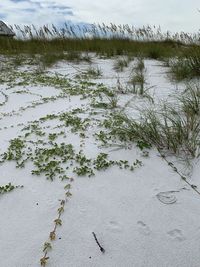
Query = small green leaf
x=58 y=221
x=68 y=186
x=68 y=194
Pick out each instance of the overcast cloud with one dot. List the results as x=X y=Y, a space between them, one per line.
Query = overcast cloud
x=175 y=15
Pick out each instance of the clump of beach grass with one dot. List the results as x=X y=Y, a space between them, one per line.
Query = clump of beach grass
x=171 y=127
x=187 y=65
x=120 y=64
x=94 y=72
x=138 y=78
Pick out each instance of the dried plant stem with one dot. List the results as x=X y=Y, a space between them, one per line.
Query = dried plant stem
x=101 y=248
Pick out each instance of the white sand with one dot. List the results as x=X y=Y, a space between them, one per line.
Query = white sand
x=121 y=207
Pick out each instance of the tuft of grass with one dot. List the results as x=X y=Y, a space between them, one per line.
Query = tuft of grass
x=187 y=65
x=190 y=100
x=173 y=128
x=93 y=72
x=120 y=64
x=113 y=101
x=138 y=79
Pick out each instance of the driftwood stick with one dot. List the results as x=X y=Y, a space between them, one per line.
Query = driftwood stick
x=101 y=248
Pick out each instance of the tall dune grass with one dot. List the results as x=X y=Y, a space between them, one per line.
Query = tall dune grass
x=104 y=39
x=68 y=43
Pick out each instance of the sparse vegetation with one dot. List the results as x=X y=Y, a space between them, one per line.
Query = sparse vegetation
x=47 y=247
x=175 y=128
x=120 y=64
x=187 y=65
x=85 y=120
x=8 y=188
x=138 y=79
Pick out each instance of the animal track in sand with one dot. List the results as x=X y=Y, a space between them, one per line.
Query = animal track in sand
x=114 y=227
x=176 y=234
x=167 y=197
x=82 y=210
x=143 y=228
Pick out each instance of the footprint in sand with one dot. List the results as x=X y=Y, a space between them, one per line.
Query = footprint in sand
x=176 y=234
x=167 y=197
x=114 y=227
x=143 y=228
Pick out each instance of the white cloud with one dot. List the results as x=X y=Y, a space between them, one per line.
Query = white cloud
x=175 y=15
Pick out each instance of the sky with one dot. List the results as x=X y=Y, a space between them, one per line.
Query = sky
x=172 y=15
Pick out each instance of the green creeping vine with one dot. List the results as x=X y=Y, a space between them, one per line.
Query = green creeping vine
x=8 y=188
x=43 y=145
x=56 y=159
x=57 y=222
